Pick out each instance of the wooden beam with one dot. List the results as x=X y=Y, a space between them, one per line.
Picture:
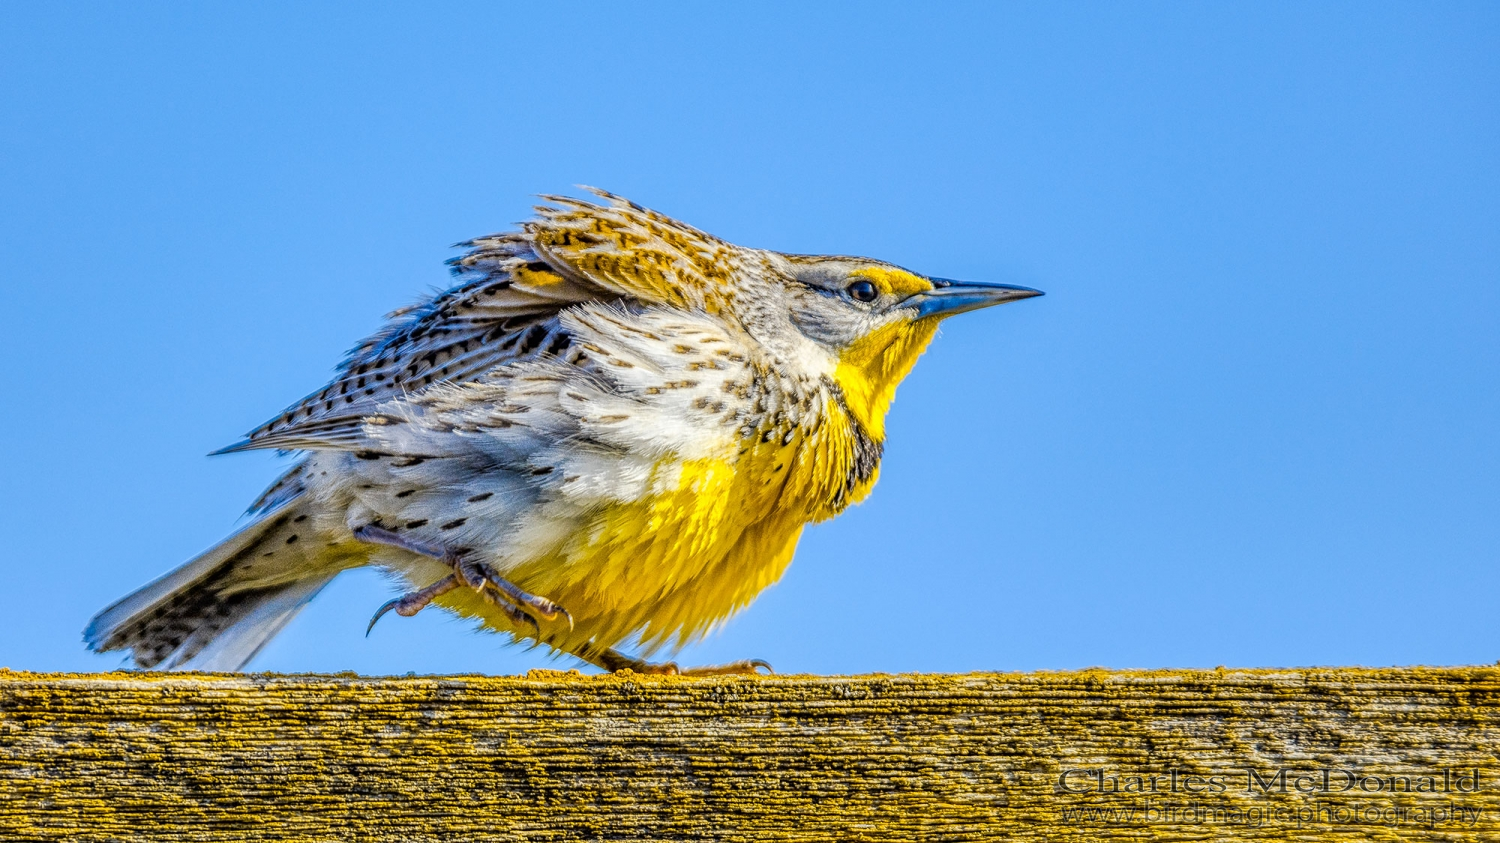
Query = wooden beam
x=1376 y=754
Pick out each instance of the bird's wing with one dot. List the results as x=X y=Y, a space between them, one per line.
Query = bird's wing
x=505 y=308
x=636 y=252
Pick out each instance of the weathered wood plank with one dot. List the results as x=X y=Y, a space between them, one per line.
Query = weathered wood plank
x=558 y=756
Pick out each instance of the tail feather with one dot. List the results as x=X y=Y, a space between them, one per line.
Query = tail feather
x=245 y=623
x=217 y=611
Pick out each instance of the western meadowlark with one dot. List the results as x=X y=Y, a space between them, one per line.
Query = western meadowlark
x=610 y=433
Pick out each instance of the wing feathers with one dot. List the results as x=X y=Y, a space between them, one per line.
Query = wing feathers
x=456 y=337
x=505 y=310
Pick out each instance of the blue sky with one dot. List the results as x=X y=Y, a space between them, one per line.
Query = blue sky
x=1256 y=420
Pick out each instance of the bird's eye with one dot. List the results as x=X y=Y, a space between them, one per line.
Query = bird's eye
x=862 y=291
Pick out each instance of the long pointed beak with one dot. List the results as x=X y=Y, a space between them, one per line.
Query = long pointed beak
x=950 y=297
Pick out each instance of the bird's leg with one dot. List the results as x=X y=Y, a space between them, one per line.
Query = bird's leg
x=477 y=575
x=487 y=582
x=615 y=661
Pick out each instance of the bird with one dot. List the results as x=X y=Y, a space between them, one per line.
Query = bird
x=606 y=438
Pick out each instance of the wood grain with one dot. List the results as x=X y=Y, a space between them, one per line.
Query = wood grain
x=560 y=756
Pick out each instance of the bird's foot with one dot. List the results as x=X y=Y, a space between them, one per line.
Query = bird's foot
x=744 y=667
x=485 y=580
x=476 y=575
x=614 y=661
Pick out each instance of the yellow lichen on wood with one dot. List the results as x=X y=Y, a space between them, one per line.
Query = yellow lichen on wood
x=560 y=756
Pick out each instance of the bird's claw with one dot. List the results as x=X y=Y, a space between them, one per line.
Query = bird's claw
x=746 y=667
x=519 y=616
x=389 y=605
x=413 y=602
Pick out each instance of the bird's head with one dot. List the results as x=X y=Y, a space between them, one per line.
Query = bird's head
x=873 y=320
x=861 y=322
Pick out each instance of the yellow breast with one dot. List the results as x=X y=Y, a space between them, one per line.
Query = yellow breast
x=709 y=536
